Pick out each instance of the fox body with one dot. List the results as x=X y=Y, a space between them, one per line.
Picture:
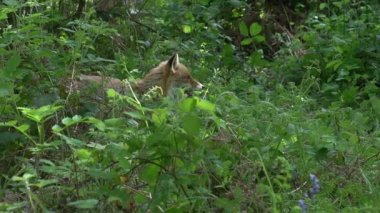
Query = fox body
x=167 y=75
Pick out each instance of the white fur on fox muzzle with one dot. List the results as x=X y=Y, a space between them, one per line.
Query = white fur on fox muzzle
x=199 y=86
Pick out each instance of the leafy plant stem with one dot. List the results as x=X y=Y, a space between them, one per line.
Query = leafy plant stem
x=41 y=132
x=29 y=193
x=137 y=101
x=267 y=176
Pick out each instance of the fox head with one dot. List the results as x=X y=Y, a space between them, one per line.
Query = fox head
x=176 y=75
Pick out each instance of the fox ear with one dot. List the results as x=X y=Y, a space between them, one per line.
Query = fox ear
x=173 y=62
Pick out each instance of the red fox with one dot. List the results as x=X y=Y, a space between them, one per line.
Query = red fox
x=167 y=75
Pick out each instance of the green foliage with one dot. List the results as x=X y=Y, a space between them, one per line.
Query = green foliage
x=277 y=108
x=339 y=50
x=253 y=35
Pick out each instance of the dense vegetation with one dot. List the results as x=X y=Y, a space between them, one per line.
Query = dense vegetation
x=289 y=121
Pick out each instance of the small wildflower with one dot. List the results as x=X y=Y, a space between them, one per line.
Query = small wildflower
x=316 y=188
x=302 y=205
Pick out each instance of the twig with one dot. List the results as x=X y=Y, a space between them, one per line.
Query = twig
x=298 y=188
x=71 y=83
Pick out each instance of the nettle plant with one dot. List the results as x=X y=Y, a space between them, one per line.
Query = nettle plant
x=149 y=158
x=251 y=34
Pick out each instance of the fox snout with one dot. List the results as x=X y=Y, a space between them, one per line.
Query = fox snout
x=198 y=86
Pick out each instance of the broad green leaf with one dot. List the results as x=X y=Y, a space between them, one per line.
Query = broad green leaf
x=189 y=15
x=150 y=173
x=243 y=29
x=349 y=95
x=67 y=121
x=257 y=59
x=206 y=105
x=187 y=105
x=43 y=183
x=246 y=41
x=159 y=116
x=191 y=124
x=12 y=207
x=77 y=118
x=73 y=142
x=136 y=115
x=322 y=6
x=375 y=102
x=23 y=127
x=111 y=93
x=39 y=114
x=114 y=122
x=119 y=195
x=84 y=204
x=228 y=54
x=9 y=123
x=186 y=28
x=3 y=15
x=10 y=70
x=84 y=155
x=56 y=128
x=11 y=2
x=98 y=123
x=6 y=10
x=27 y=176
x=255 y=29
x=103 y=174
x=6 y=88
x=225 y=203
x=334 y=64
x=259 y=38
x=96 y=146
x=338 y=4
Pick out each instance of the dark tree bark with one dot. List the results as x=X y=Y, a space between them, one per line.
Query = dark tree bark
x=106 y=5
x=80 y=9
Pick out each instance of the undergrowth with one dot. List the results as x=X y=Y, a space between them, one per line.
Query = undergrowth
x=294 y=133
